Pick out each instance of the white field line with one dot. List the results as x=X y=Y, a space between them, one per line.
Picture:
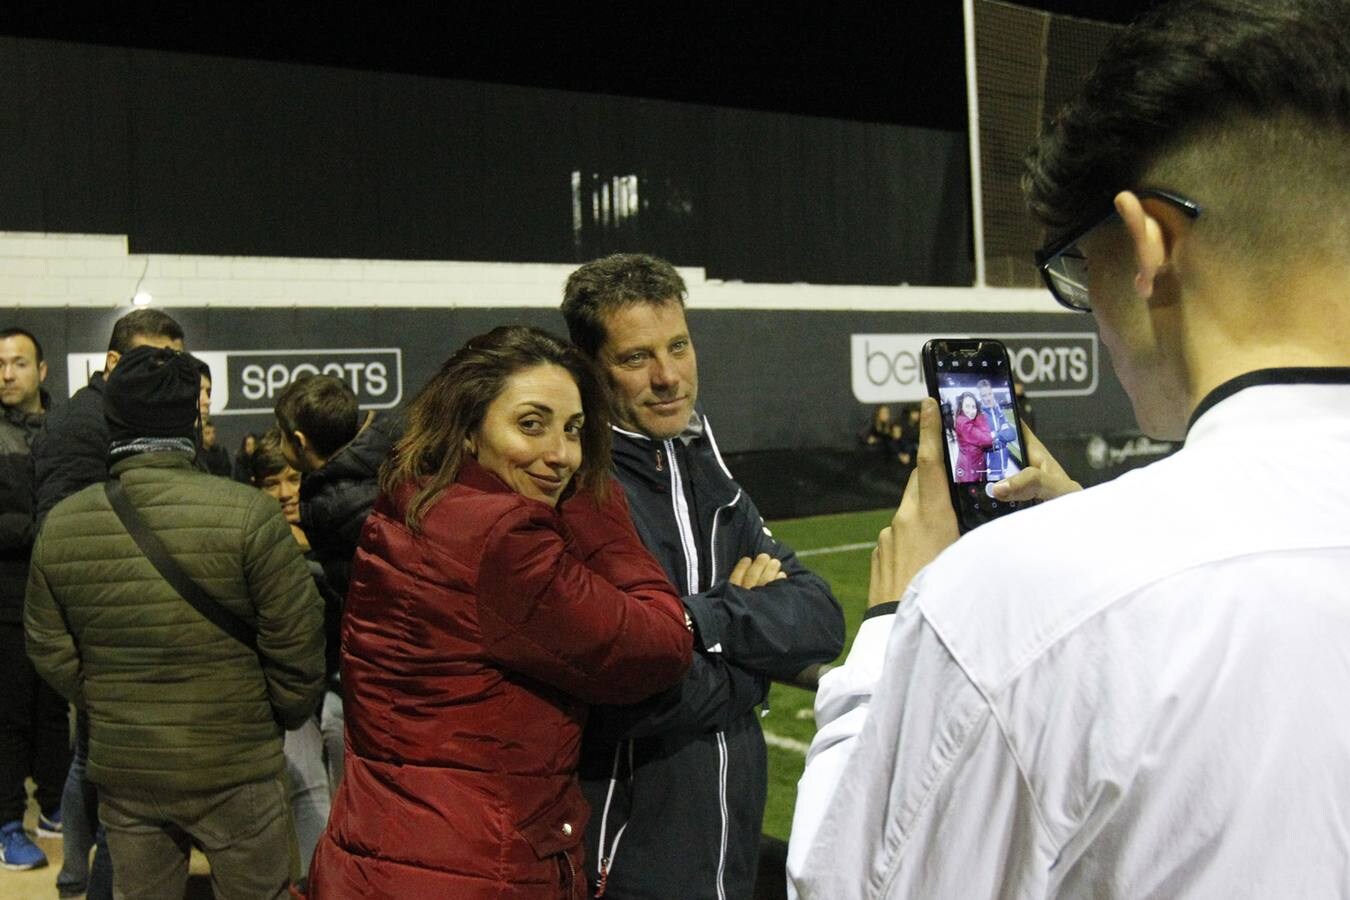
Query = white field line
x=786 y=743
x=841 y=548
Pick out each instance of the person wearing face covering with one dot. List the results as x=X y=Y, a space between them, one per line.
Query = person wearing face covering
x=185 y=718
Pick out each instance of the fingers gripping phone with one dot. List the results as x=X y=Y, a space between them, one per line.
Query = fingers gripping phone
x=983 y=442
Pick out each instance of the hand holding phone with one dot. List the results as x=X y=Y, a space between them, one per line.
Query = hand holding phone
x=971 y=379
x=923 y=525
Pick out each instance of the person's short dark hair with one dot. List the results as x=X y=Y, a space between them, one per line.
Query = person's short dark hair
x=267 y=458
x=1241 y=105
x=143 y=323
x=453 y=403
x=21 y=332
x=324 y=408
x=602 y=286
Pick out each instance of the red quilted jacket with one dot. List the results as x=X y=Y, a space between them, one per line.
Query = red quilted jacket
x=469 y=655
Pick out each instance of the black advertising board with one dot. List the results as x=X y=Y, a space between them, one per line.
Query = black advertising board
x=768 y=379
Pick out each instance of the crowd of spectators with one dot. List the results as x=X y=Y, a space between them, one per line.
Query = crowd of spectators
x=493 y=594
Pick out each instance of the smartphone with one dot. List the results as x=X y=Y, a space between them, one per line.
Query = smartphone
x=983 y=440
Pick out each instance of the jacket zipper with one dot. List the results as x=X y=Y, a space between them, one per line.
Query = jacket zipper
x=712 y=543
x=687 y=544
x=571 y=872
x=712 y=557
x=683 y=523
x=722 y=799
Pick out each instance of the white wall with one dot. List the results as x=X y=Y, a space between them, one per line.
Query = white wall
x=83 y=270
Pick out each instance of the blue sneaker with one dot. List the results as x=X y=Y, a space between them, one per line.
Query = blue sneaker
x=49 y=826
x=16 y=850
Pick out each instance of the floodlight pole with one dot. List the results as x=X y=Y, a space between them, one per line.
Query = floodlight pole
x=973 y=112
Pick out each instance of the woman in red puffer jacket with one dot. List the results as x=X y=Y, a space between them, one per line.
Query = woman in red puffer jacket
x=973 y=438
x=498 y=590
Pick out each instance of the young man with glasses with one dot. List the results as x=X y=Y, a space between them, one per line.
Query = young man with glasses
x=1150 y=704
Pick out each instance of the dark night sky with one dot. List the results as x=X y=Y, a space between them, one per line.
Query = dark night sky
x=892 y=61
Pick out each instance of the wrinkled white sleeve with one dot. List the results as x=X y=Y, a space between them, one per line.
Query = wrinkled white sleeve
x=910 y=789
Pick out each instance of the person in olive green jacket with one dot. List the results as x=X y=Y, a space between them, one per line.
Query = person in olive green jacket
x=186 y=722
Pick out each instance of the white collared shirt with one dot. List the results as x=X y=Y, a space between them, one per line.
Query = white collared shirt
x=1152 y=703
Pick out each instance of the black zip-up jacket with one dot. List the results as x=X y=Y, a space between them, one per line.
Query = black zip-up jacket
x=677 y=784
x=17 y=524
x=71 y=451
x=336 y=498
x=334 y=503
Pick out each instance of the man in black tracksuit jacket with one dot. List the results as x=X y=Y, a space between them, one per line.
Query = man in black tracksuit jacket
x=677 y=784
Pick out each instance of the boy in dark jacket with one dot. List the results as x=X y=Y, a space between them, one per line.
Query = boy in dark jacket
x=324 y=437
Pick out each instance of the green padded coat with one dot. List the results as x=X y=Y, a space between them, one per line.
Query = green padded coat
x=172 y=700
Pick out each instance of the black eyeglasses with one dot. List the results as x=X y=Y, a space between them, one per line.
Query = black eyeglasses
x=1064 y=267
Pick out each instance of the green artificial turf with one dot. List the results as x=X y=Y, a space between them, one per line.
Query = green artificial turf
x=790 y=708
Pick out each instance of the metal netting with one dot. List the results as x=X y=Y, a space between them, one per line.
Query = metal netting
x=1028 y=63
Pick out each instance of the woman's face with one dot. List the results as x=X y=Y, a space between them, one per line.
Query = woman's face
x=285 y=486
x=969 y=407
x=530 y=436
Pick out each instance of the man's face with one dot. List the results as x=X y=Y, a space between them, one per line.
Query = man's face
x=208 y=435
x=21 y=375
x=986 y=395
x=649 y=360
x=204 y=398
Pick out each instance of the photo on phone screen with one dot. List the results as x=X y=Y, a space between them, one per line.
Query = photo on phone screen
x=972 y=383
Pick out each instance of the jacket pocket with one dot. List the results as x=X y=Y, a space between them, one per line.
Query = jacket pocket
x=558 y=826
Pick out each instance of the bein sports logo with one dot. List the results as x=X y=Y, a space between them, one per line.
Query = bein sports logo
x=888 y=368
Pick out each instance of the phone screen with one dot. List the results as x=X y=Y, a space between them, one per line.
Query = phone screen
x=972 y=382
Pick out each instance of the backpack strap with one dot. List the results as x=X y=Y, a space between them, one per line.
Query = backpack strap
x=209 y=608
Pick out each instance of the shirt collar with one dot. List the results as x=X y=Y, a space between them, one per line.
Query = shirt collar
x=1289 y=375
x=692 y=431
